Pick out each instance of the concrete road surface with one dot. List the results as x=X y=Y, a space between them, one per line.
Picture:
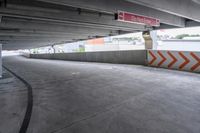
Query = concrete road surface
x=77 y=97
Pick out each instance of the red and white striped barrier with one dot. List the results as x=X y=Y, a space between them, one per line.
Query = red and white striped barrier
x=187 y=61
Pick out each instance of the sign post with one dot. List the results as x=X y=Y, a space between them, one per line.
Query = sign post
x=138 y=19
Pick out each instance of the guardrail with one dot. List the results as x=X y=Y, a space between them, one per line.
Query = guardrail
x=179 y=60
x=137 y=57
x=25 y=55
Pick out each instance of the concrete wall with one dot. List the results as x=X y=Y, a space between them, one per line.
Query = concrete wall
x=179 y=45
x=137 y=57
x=113 y=47
x=25 y=55
x=179 y=60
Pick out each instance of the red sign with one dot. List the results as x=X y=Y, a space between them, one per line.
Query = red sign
x=134 y=18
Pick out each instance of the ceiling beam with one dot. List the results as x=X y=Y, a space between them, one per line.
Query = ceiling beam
x=191 y=23
x=183 y=8
x=48 y=34
x=33 y=25
x=112 y=6
x=71 y=17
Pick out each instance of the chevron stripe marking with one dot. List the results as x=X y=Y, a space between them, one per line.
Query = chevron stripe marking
x=153 y=56
x=186 y=60
x=174 y=60
x=163 y=58
x=194 y=67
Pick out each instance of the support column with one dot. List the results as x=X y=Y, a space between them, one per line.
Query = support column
x=0 y=54
x=54 y=50
x=154 y=38
x=150 y=38
x=1 y=61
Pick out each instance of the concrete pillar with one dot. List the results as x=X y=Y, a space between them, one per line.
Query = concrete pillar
x=154 y=38
x=150 y=38
x=54 y=49
x=1 y=61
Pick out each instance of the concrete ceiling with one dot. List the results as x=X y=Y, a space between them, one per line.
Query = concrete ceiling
x=196 y=1
x=35 y=23
x=184 y=8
